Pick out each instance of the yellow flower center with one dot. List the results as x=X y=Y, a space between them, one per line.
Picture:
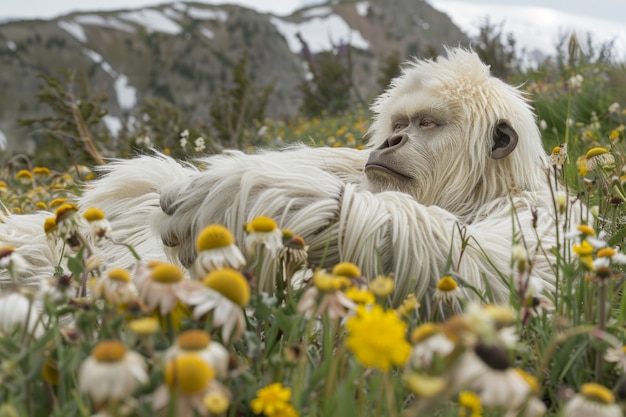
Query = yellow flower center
x=6 y=251
x=93 y=214
x=188 y=373
x=595 y=152
x=230 y=283
x=287 y=234
x=347 y=269
x=556 y=150
x=57 y=202
x=213 y=237
x=167 y=274
x=447 y=284
x=109 y=351
x=500 y=314
x=120 y=275
x=49 y=224
x=144 y=326
x=43 y=171
x=24 y=175
x=193 y=340
x=424 y=331
x=586 y=230
x=597 y=392
x=381 y=286
x=65 y=210
x=423 y=385
x=216 y=403
x=606 y=253
x=529 y=379
x=50 y=372
x=261 y=224
x=471 y=402
x=360 y=296
x=584 y=249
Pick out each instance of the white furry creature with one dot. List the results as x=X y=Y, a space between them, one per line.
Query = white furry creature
x=454 y=174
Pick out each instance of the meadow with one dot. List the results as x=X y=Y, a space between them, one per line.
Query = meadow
x=94 y=341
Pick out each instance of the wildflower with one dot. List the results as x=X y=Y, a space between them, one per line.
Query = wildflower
x=469 y=404
x=429 y=342
x=41 y=171
x=423 y=385
x=144 y=326
x=362 y=297
x=408 y=306
x=162 y=285
x=198 y=342
x=263 y=230
x=116 y=287
x=599 y=157
x=576 y=82
x=593 y=400
x=111 y=372
x=225 y=292
x=294 y=254
x=273 y=401
x=24 y=176
x=12 y=261
x=57 y=202
x=100 y=227
x=447 y=290
x=57 y=290
x=18 y=310
x=347 y=269
x=381 y=286
x=191 y=380
x=216 y=402
x=614 y=108
x=614 y=135
x=377 y=338
x=216 y=249
x=558 y=155
x=199 y=144
x=325 y=297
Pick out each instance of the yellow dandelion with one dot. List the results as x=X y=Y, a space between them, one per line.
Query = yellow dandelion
x=469 y=404
x=377 y=338
x=273 y=400
x=359 y=296
x=584 y=249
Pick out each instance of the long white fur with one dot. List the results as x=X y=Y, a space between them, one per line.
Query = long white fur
x=322 y=194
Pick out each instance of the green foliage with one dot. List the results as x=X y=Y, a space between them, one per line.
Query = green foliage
x=75 y=113
x=329 y=86
x=236 y=112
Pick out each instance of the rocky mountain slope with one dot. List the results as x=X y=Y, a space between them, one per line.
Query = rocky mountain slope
x=184 y=52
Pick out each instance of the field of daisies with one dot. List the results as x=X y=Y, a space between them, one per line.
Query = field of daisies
x=97 y=341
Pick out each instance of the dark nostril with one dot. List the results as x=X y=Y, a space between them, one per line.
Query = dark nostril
x=394 y=140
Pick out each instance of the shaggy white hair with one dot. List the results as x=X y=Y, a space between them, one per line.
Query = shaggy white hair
x=403 y=215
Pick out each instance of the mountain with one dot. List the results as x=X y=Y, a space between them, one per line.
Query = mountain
x=185 y=52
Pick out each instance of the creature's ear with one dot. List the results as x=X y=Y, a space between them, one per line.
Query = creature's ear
x=504 y=139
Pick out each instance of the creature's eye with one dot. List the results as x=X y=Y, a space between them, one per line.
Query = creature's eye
x=400 y=124
x=428 y=123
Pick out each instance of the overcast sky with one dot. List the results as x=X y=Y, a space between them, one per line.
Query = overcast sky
x=607 y=9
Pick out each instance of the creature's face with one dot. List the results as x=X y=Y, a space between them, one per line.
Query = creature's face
x=446 y=132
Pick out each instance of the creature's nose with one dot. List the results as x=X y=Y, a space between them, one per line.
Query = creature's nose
x=393 y=141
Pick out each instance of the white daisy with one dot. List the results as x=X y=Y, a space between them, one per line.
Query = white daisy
x=12 y=261
x=116 y=287
x=162 y=285
x=198 y=342
x=111 y=372
x=99 y=226
x=593 y=400
x=216 y=249
x=18 y=310
x=263 y=230
x=225 y=293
